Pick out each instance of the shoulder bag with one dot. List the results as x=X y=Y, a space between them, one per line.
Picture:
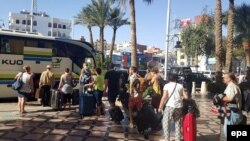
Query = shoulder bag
x=17 y=85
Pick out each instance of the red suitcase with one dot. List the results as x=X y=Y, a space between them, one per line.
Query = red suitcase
x=189 y=127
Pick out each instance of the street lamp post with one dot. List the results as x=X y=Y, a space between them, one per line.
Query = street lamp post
x=167 y=39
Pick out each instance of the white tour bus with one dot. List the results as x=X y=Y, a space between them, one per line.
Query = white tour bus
x=19 y=48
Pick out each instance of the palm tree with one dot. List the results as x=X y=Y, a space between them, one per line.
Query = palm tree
x=242 y=30
x=99 y=15
x=84 y=17
x=230 y=38
x=116 y=20
x=133 y=28
x=218 y=41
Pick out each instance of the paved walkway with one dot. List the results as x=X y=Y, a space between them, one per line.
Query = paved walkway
x=42 y=123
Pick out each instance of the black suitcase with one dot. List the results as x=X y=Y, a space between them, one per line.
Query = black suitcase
x=56 y=100
x=87 y=104
x=147 y=118
x=116 y=114
x=75 y=97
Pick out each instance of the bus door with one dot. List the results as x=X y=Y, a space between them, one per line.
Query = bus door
x=37 y=58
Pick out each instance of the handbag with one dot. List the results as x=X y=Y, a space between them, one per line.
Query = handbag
x=17 y=85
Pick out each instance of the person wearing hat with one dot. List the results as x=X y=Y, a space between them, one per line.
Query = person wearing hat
x=46 y=83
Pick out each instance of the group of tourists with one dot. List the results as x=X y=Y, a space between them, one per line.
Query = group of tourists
x=166 y=98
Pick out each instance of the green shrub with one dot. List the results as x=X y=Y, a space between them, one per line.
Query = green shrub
x=215 y=88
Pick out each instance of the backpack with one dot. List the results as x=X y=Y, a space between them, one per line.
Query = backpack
x=85 y=77
x=140 y=85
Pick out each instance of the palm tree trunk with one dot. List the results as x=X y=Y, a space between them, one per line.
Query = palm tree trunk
x=218 y=40
x=230 y=41
x=247 y=53
x=112 y=44
x=133 y=33
x=91 y=36
x=102 y=43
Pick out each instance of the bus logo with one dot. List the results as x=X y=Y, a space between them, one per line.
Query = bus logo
x=56 y=62
x=11 y=62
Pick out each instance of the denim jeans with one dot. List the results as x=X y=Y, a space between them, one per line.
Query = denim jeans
x=234 y=119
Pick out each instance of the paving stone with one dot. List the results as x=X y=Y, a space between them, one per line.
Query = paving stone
x=85 y=127
x=23 y=129
x=135 y=137
x=65 y=126
x=97 y=133
x=48 y=125
x=94 y=139
x=116 y=135
x=78 y=132
x=73 y=138
x=59 y=131
x=6 y=128
x=33 y=136
x=42 y=130
x=117 y=129
x=53 y=138
x=100 y=128
x=13 y=135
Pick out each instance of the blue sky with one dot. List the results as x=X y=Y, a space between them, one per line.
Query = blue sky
x=151 y=19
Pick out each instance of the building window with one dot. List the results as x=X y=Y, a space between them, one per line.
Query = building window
x=182 y=64
x=23 y=30
x=54 y=25
x=35 y=23
x=28 y=22
x=34 y=30
x=49 y=33
x=182 y=57
x=49 y=24
x=59 y=34
x=59 y=26
x=54 y=34
x=64 y=35
x=64 y=26
x=24 y=22
x=17 y=28
x=17 y=21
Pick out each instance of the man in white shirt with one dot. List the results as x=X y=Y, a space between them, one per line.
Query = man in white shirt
x=233 y=101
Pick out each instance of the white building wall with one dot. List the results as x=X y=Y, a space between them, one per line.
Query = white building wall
x=42 y=24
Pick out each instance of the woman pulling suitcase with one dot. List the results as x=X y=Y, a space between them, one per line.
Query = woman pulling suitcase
x=173 y=100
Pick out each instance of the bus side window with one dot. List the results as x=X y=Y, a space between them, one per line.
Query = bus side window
x=5 y=46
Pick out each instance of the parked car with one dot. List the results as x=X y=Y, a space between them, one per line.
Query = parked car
x=210 y=74
x=199 y=78
x=181 y=72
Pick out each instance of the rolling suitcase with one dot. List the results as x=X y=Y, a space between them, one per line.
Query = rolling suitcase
x=189 y=127
x=116 y=114
x=87 y=104
x=56 y=100
x=147 y=118
x=75 y=97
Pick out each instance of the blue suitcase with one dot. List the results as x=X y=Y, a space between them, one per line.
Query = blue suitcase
x=87 y=104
